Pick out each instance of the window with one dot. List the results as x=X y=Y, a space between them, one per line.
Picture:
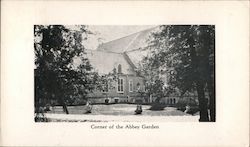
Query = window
x=138 y=85
x=119 y=68
x=105 y=87
x=171 y=101
x=116 y=100
x=120 y=85
x=130 y=86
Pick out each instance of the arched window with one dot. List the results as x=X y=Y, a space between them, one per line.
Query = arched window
x=119 y=68
x=138 y=86
x=120 y=85
x=173 y=101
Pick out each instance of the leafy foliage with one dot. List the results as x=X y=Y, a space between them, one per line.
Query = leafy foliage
x=56 y=74
x=183 y=57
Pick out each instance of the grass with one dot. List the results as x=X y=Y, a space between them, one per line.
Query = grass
x=121 y=109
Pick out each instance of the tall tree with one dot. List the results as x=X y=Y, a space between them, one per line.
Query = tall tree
x=154 y=82
x=188 y=51
x=56 y=75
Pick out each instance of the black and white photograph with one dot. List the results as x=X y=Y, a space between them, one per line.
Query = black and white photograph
x=124 y=73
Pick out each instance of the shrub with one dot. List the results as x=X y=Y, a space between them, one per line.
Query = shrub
x=182 y=103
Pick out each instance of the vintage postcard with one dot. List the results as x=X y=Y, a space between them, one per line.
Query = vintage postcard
x=124 y=73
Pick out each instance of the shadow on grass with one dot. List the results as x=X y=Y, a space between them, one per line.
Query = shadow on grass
x=157 y=107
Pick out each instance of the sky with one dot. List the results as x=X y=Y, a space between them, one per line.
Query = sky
x=108 y=33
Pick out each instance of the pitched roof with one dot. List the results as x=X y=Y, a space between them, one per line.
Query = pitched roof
x=128 y=43
x=104 y=61
x=127 y=51
x=137 y=55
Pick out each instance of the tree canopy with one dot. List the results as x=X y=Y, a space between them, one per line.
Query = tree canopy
x=184 y=56
x=56 y=75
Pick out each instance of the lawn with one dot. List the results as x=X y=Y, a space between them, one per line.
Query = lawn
x=119 y=109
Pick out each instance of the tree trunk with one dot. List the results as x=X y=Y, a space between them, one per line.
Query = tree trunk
x=212 y=105
x=202 y=102
x=65 y=109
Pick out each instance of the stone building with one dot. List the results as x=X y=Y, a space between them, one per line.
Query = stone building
x=122 y=55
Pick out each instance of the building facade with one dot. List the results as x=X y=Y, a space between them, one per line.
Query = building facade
x=125 y=88
x=124 y=55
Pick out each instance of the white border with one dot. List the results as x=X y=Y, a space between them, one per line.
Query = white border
x=232 y=71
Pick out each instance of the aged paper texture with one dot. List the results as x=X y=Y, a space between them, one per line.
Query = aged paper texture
x=231 y=20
